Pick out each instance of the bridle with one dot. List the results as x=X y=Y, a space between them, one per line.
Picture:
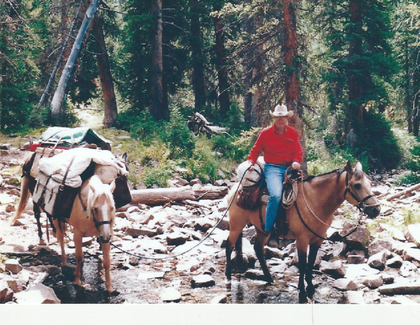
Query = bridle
x=361 y=203
x=97 y=223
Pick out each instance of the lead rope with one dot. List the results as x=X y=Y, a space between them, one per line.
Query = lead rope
x=324 y=223
x=199 y=243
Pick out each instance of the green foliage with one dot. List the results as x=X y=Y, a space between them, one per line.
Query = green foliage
x=377 y=144
x=178 y=137
x=411 y=215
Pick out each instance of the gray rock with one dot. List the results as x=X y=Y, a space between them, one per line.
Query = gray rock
x=408 y=269
x=13 y=266
x=411 y=254
x=336 y=269
x=345 y=284
x=394 y=262
x=358 y=239
x=170 y=295
x=176 y=238
x=378 y=261
x=355 y=297
x=373 y=282
x=378 y=245
x=413 y=233
x=202 y=281
x=37 y=294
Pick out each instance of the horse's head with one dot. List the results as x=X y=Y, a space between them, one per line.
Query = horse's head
x=359 y=192
x=101 y=207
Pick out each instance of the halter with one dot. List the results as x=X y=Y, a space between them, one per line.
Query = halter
x=97 y=223
x=361 y=205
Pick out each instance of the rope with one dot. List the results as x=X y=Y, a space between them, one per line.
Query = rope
x=199 y=243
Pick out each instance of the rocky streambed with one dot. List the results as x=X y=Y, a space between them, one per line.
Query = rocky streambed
x=172 y=253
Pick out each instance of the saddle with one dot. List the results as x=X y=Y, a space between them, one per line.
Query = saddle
x=255 y=196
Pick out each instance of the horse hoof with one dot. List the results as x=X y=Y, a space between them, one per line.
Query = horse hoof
x=303 y=299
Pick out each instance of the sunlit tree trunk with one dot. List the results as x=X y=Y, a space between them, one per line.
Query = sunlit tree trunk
x=70 y=67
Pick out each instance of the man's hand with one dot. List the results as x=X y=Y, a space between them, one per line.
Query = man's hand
x=251 y=168
x=295 y=165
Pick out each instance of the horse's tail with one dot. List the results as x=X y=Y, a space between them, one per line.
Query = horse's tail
x=229 y=196
x=24 y=198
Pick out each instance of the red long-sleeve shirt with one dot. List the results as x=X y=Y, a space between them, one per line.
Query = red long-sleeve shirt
x=278 y=149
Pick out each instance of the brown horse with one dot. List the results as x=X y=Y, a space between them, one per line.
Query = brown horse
x=92 y=214
x=308 y=219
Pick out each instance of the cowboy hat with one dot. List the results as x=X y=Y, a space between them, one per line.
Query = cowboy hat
x=281 y=111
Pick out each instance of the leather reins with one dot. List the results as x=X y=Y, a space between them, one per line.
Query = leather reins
x=360 y=205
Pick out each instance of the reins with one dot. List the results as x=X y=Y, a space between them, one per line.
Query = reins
x=361 y=206
x=199 y=243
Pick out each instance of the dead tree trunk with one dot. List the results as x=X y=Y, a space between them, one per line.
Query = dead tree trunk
x=166 y=195
x=47 y=89
x=110 y=108
x=69 y=69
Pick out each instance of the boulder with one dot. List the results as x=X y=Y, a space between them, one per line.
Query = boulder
x=170 y=295
x=373 y=282
x=37 y=294
x=202 y=281
x=13 y=266
x=378 y=261
x=336 y=269
x=358 y=239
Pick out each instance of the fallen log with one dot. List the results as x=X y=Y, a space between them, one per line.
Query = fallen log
x=160 y=196
x=399 y=289
x=404 y=192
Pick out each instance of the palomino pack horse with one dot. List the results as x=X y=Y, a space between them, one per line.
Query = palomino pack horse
x=92 y=214
x=92 y=211
x=309 y=218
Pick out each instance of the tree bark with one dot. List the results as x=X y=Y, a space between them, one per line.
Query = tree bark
x=197 y=57
x=222 y=74
x=69 y=69
x=292 y=87
x=254 y=110
x=156 y=93
x=110 y=108
x=354 y=114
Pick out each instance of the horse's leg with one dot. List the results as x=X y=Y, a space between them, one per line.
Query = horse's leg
x=59 y=233
x=260 y=241
x=302 y=247
x=24 y=198
x=238 y=249
x=77 y=238
x=313 y=251
x=235 y=235
x=37 y=212
x=107 y=264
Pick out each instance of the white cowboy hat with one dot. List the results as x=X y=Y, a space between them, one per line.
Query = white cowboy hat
x=281 y=111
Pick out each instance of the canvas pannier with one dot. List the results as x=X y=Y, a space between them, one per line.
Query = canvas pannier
x=53 y=197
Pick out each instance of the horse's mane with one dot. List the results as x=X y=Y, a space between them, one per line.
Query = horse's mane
x=338 y=171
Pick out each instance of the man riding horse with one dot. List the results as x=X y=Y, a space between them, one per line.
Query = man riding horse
x=281 y=148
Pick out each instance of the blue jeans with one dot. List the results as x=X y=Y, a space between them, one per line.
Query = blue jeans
x=274 y=175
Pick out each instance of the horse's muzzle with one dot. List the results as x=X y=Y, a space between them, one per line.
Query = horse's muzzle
x=372 y=211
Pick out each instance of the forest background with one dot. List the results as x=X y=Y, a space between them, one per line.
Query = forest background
x=349 y=69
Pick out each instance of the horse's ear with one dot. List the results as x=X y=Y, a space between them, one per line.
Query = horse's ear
x=348 y=167
x=124 y=157
x=359 y=166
